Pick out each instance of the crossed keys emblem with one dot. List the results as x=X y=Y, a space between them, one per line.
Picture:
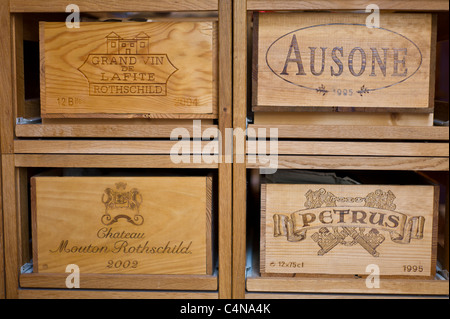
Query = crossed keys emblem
x=327 y=240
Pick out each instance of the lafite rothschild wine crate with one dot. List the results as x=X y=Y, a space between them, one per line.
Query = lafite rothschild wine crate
x=122 y=225
x=342 y=229
x=333 y=63
x=129 y=70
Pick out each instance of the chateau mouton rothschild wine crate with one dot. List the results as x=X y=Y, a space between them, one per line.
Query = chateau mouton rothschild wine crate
x=342 y=229
x=128 y=70
x=122 y=225
x=327 y=62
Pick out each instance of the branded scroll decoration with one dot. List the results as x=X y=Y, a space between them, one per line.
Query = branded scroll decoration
x=123 y=204
x=360 y=222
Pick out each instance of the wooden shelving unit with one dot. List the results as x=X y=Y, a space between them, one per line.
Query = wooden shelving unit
x=387 y=148
x=125 y=145
x=114 y=145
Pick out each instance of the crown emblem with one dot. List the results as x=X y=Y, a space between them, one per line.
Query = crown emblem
x=122 y=204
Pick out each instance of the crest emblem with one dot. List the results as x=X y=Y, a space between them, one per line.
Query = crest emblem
x=127 y=68
x=122 y=204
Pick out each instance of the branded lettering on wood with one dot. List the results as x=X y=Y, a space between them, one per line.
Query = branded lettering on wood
x=138 y=225
x=128 y=69
x=336 y=229
x=335 y=60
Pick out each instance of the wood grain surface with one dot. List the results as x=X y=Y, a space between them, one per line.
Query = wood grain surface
x=133 y=225
x=128 y=70
x=342 y=229
x=300 y=65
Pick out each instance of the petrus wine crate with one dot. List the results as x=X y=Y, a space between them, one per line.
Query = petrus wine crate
x=319 y=62
x=129 y=70
x=331 y=229
x=122 y=225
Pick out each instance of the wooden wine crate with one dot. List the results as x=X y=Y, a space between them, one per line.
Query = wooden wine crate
x=332 y=62
x=122 y=225
x=343 y=229
x=129 y=70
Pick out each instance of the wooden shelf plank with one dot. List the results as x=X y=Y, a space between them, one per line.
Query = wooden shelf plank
x=104 y=147
x=111 y=294
x=410 y=5
x=102 y=161
x=107 y=131
x=255 y=295
x=129 y=282
x=114 y=5
x=355 y=132
x=361 y=149
x=359 y=163
x=347 y=286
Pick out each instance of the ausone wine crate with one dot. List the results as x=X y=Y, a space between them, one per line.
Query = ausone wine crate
x=129 y=70
x=331 y=229
x=319 y=62
x=122 y=225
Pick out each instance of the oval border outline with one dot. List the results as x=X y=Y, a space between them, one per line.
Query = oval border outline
x=348 y=24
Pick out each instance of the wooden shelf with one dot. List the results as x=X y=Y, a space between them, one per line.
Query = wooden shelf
x=114 y=6
x=127 y=282
x=327 y=147
x=362 y=149
x=103 y=161
x=105 y=147
x=347 y=286
x=111 y=294
x=356 y=132
x=262 y=295
x=360 y=163
x=104 y=144
x=398 y=5
x=105 y=131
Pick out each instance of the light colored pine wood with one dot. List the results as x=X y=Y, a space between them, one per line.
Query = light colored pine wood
x=10 y=226
x=106 y=147
x=254 y=295
x=18 y=65
x=99 y=161
x=286 y=79
x=111 y=294
x=348 y=286
x=400 y=5
x=352 y=132
x=135 y=131
x=160 y=122
x=329 y=118
x=362 y=149
x=123 y=282
x=239 y=169
x=225 y=167
x=355 y=132
x=360 y=163
x=108 y=130
x=115 y=5
x=6 y=98
x=294 y=202
x=128 y=70
x=164 y=233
